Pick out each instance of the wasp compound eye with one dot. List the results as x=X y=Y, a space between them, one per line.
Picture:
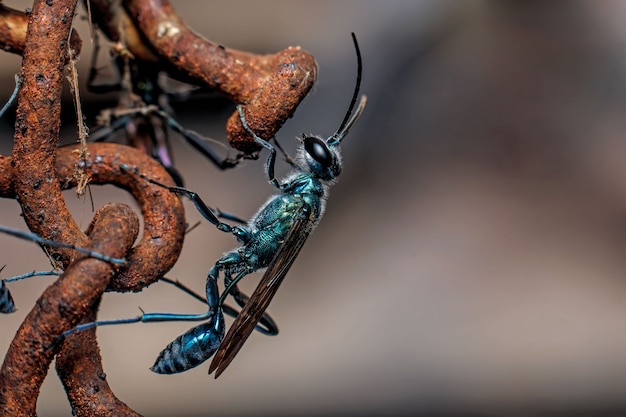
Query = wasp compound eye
x=318 y=150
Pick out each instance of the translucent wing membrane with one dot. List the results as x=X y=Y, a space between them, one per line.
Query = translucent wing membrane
x=252 y=312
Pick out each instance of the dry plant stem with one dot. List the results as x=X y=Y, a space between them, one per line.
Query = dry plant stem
x=79 y=365
x=270 y=87
x=13 y=25
x=61 y=307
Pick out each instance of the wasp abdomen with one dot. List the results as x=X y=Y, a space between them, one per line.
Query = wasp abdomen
x=6 y=301
x=192 y=347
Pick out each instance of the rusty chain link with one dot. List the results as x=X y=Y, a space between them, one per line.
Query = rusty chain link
x=270 y=86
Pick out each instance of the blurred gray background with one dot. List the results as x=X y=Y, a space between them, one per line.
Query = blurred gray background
x=471 y=260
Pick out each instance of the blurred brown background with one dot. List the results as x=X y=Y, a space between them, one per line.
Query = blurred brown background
x=471 y=260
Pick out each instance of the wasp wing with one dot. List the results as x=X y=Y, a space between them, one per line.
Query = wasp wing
x=253 y=311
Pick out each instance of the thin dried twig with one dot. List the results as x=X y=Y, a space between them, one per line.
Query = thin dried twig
x=83 y=132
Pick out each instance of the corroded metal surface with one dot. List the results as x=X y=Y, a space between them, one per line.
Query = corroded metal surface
x=269 y=87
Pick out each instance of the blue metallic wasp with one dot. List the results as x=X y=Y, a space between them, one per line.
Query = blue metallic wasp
x=6 y=300
x=272 y=239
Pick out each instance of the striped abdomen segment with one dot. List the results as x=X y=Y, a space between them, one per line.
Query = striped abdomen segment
x=6 y=301
x=192 y=347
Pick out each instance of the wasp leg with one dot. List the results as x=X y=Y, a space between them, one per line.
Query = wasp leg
x=271 y=159
x=267 y=325
x=191 y=348
x=198 y=343
x=201 y=206
x=13 y=96
x=200 y=144
x=105 y=132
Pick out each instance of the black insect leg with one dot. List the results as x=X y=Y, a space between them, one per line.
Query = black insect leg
x=213 y=313
x=288 y=159
x=271 y=159
x=229 y=216
x=201 y=206
x=38 y=239
x=105 y=132
x=184 y=289
x=13 y=96
x=31 y=274
x=93 y=72
x=266 y=324
x=200 y=144
x=6 y=301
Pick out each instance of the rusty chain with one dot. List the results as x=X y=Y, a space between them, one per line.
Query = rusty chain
x=269 y=86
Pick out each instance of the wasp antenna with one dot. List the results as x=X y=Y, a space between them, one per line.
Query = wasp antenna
x=349 y=119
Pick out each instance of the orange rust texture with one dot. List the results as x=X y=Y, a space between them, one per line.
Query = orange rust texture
x=61 y=307
x=31 y=176
x=162 y=211
x=269 y=87
x=37 y=126
x=154 y=254
x=13 y=25
x=79 y=365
